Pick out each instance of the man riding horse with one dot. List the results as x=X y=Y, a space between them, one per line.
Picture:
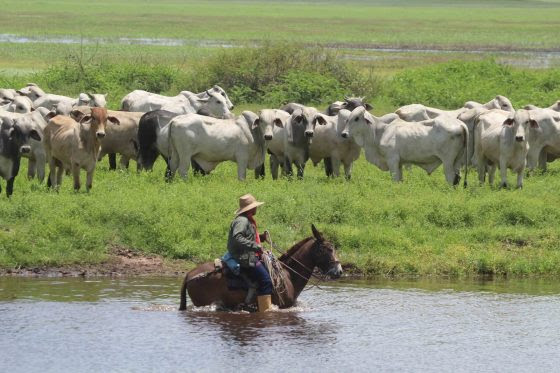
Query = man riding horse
x=244 y=246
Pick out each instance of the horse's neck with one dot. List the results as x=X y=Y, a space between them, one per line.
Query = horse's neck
x=301 y=267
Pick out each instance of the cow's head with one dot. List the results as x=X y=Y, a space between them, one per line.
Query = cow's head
x=357 y=125
x=214 y=105
x=6 y=96
x=21 y=104
x=305 y=119
x=519 y=124
x=270 y=118
x=502 y=103
x=541 y=122
x=32 y=91
x=219 y=90
x=19 y=135
x=92 y=99
x=97 y=120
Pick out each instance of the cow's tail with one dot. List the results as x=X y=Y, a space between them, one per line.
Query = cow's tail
x=183 y=304
x=466 y=146
x=170 y=150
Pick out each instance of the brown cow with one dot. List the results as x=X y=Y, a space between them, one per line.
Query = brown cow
x=121 y=139
x=73 y=145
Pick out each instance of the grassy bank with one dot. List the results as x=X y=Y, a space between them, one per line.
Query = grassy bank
x=420 y=227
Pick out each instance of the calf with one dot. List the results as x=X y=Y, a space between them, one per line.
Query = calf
x=241 y=140
x=73 y=145
x=501 y=138
x=278 y=120
x=14 y=141
x=426 y=144
x=119 y=139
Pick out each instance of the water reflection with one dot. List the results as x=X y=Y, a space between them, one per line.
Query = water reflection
x=253 y=329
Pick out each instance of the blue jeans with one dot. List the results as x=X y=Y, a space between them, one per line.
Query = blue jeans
x=260 y=274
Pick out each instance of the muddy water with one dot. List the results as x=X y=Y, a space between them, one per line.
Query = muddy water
x=81 y=325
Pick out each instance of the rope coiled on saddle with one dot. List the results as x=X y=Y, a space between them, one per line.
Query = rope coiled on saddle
x=277 y=275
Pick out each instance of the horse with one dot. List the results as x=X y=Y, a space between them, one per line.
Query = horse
x=207 y=286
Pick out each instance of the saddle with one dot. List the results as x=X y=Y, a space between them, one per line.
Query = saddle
x=237 y=282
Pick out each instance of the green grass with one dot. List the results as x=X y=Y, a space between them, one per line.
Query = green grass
x=421 y=226
x=503 y=24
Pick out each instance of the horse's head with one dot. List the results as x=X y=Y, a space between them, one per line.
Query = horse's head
x=325 y=255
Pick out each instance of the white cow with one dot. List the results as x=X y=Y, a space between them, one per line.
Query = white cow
x=32 y=91
x=19 y=105
x=501 y=139
x=425 y=144
x=278 y=120
x=144 y=101
x=555 y=106
x=37 y=121
x=419 y=112
x=52 y=102
x=544 y=143
x=328 y=144
x=7 y=95
x=241 y=140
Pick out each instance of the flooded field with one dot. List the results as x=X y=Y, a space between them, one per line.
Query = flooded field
x=133 y=325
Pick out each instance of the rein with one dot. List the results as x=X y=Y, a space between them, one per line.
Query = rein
x=319 y=279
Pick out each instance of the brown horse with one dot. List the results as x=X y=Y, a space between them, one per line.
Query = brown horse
x=298 y=263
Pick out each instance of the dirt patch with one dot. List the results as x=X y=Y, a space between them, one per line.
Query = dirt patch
x=122 y=262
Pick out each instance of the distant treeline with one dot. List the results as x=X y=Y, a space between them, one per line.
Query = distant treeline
x=277 y=73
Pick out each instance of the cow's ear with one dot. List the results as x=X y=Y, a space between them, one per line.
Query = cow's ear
x=20 y=93
x=277 y=122
x=533 y=123
x=321 y=120
x=35 y=135
x=77 y=115
x=368 y=107
x=50 y=115
x=114 y=120
x=256 y=123
x=298 y=118
x=85 y=118
x=508 y=122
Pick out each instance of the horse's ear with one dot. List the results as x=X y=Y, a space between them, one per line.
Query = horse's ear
x=316 y=233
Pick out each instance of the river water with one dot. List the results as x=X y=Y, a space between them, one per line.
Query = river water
x=114 y=325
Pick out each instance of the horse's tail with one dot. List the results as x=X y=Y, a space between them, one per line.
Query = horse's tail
x=183 y=304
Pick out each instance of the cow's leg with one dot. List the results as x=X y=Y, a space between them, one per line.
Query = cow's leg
x=41 y=162
x=52 y=173
x=288 y=167
x=300 y=169
x=197 y=169
x=328 y=166
x=112 y=160
x=395 y=168
x=542 y=160
x=10 y=186
x=89 y=178
x=348 y=170
x=335 y=166
x=520 y=178
x=124 y=162
x=31 y=168
x=503 y=172
x=242 y=168
x=184 y=165
x=481 y=170
x=274 y=163
x=450 y=173
x=173 y=165
x=491 y=174
x=259 y=172
x=76 y=176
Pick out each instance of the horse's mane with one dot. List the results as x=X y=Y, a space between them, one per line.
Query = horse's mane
x=295 y=248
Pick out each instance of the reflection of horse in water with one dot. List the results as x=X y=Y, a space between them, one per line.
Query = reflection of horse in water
x=298 y=264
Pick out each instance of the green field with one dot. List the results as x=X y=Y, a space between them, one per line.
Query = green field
x=496 y=25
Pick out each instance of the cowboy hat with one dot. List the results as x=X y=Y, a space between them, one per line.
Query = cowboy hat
x=247 y=202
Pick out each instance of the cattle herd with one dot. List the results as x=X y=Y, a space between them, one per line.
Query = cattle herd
x=198 y=129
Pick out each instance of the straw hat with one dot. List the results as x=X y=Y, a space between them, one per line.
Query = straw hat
x=246 y=203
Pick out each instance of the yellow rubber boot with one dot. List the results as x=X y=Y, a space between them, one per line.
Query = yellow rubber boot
x=264 y=302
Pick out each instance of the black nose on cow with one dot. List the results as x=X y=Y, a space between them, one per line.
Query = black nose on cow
x=519 y=138
x=231 y=108
x=345 y=135
x=100 y=134
x=268 y=137
x=309 y=133
x=25 y=149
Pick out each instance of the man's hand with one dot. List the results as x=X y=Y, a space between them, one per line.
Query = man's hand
x=267 y=237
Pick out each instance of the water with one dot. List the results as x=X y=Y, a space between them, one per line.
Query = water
x=53 y=325
x=529 y=59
